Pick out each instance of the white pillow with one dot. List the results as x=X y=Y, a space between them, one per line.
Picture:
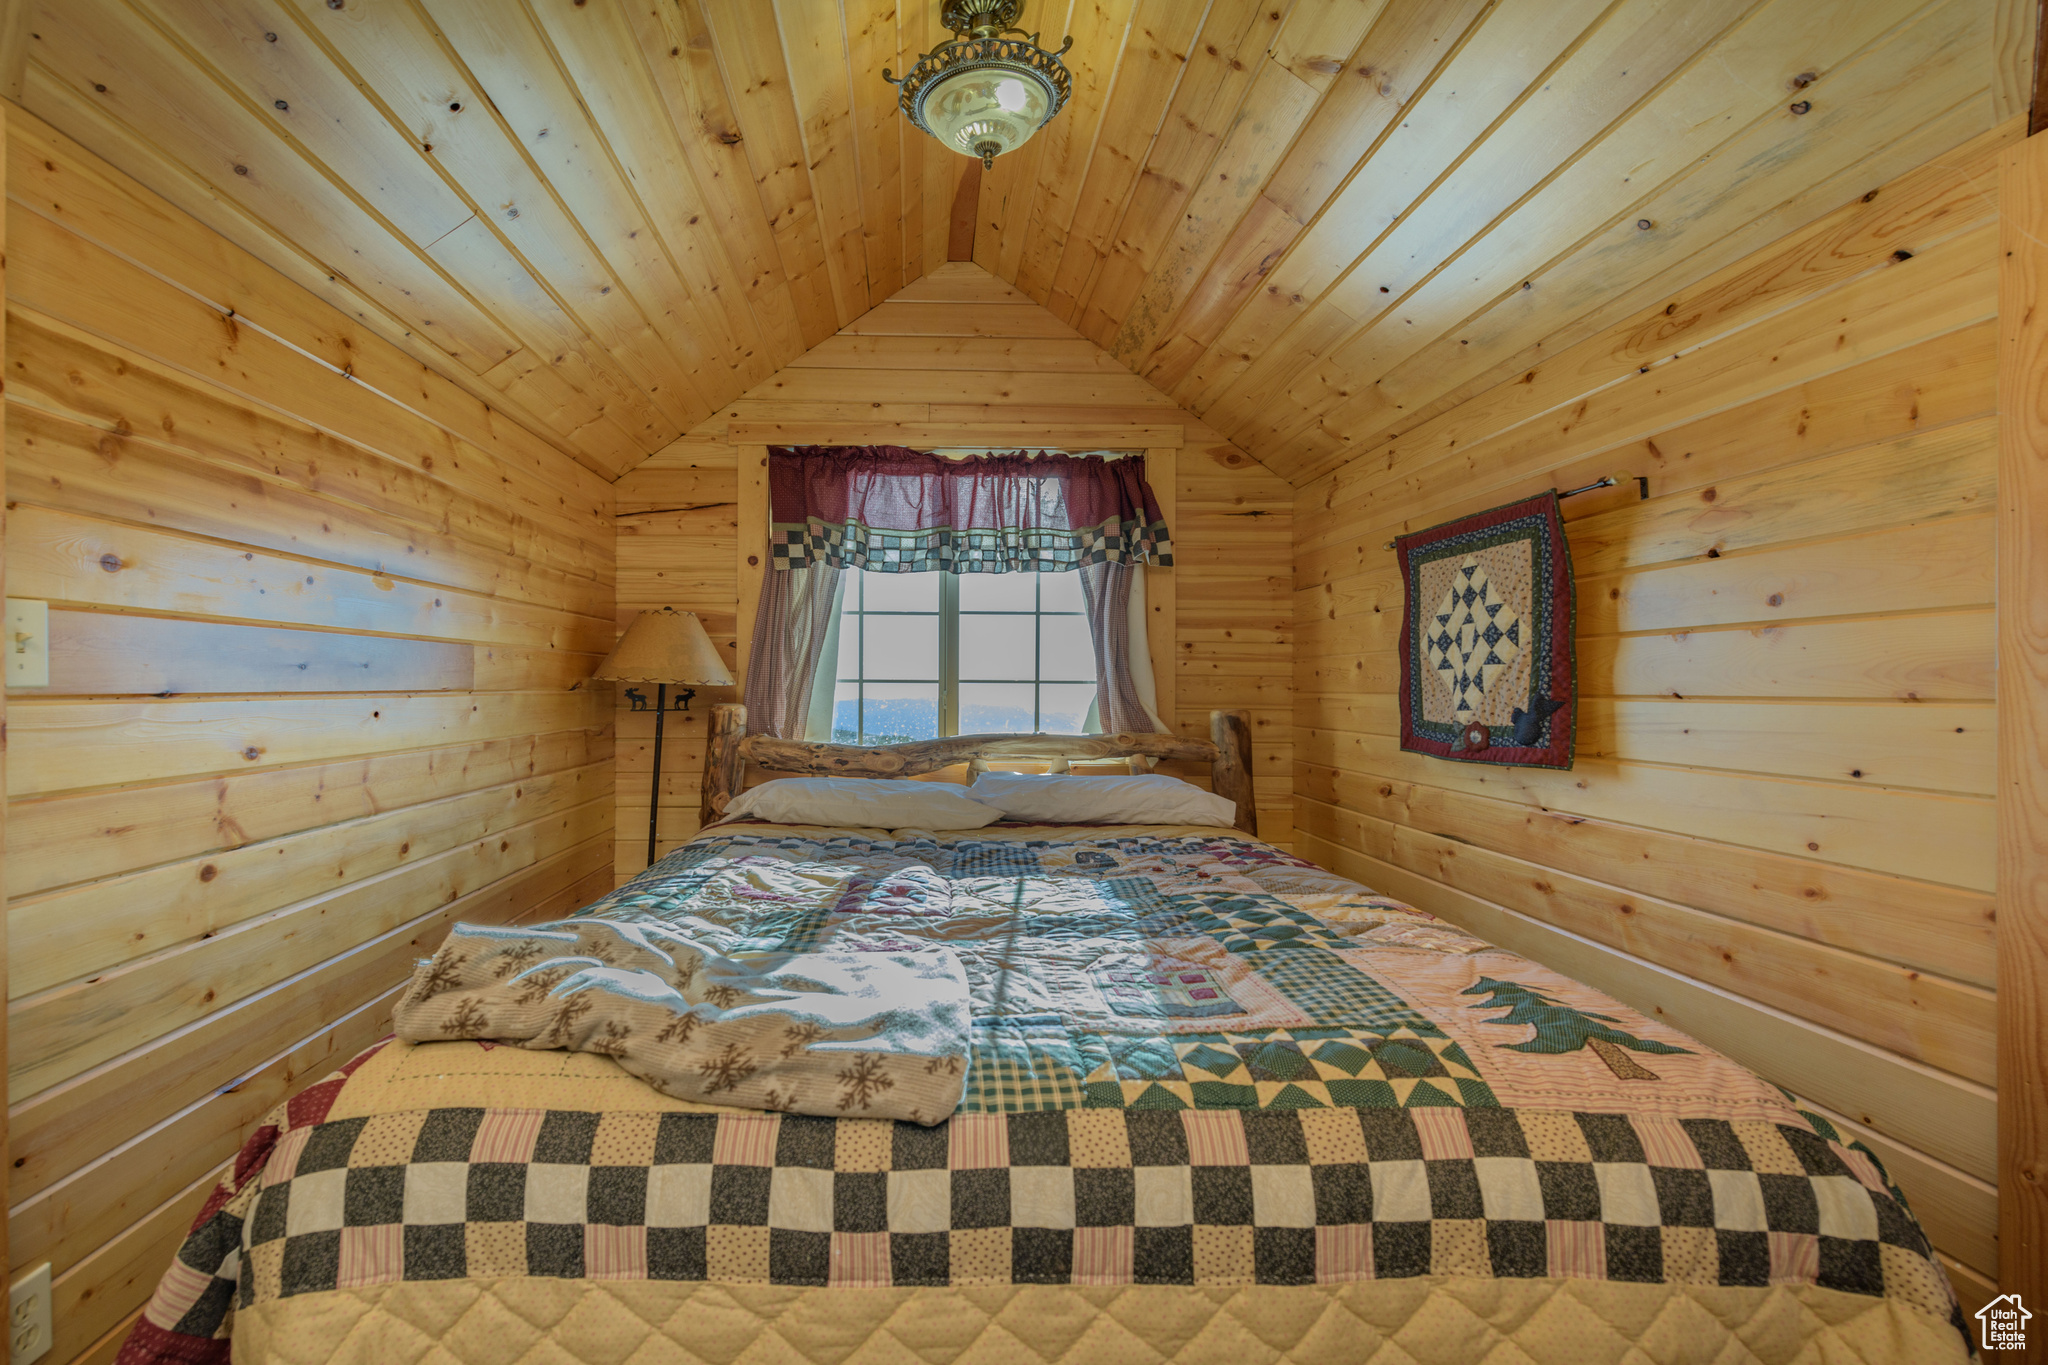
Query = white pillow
x=1154 y=800
x=864 y=803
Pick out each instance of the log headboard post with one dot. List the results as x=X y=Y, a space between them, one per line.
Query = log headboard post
x=1230 y=773
x=722 y=759
x=728 y=748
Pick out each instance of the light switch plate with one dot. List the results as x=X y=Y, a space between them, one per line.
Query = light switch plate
x=27 y=643
x=28 y=1309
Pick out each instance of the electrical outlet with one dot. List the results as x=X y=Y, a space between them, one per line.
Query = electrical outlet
x=27 y=643
x=28 y=1309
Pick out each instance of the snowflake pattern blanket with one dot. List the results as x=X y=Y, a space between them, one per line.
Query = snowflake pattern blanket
x=1202 y=1075
x=870 y=1025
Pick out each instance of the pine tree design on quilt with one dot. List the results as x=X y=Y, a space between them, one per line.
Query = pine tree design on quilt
x=1560 y=1028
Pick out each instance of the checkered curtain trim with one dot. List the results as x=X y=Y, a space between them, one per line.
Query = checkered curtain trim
x=850 y=545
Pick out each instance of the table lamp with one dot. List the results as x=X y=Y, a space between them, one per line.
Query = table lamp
x=663 y=647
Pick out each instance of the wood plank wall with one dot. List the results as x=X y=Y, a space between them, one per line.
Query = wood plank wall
x=961 y=346
x=6 y=1351
x=2023 y=722
x=315 y=614
x=1779 y=832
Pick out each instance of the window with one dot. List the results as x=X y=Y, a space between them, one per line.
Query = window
x=929 y=654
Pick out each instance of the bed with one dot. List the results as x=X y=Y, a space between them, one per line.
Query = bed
x=1220 y=1104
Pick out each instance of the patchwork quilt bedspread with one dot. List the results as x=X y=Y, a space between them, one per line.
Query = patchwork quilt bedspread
x=1218 y=1103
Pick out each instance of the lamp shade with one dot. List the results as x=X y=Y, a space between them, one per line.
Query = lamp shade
x=665 y=646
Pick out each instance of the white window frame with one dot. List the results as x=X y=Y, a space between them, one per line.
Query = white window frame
x=949 y=612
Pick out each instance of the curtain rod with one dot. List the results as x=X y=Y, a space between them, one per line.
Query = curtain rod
x=1611 y=481
x=976 y=452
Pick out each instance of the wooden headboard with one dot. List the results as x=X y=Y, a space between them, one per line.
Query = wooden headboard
x=728 y=748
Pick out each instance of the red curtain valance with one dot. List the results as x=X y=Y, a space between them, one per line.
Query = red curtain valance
x=888 y=509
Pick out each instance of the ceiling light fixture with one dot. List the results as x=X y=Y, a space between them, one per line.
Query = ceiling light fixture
x=985 y=92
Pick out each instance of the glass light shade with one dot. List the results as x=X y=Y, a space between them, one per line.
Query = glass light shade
x=986 y=111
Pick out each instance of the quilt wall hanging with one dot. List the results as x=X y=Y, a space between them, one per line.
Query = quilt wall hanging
x=1488 y=670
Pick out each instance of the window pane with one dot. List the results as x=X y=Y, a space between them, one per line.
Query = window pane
x=901 y=647
x=995 y=708
x=846 y=713
x=1060 y=592
x=996 y=647
x=998 y=591
x=900 y=591
x=1012 y=629
x=849 y=645
x=1063 y=707
x=899 y=713
x=1065 y=652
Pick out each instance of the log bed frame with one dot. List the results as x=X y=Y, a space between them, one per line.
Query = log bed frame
x=728 y=748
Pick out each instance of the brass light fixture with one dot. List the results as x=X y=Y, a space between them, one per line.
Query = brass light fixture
x=985 y=92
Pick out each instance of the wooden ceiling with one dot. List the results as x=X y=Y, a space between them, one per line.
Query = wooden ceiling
x=1316 y=223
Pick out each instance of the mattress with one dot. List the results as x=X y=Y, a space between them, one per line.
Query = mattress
x=1220 y=1105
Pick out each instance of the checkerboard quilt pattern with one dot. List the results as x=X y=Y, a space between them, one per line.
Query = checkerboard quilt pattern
x=1073 y=1197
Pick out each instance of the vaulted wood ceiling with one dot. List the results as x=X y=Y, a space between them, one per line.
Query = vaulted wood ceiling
x=1315 y=223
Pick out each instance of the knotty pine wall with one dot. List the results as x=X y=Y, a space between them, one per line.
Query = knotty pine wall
x=313 y=640
x=961 y=345
x=1778 y=834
